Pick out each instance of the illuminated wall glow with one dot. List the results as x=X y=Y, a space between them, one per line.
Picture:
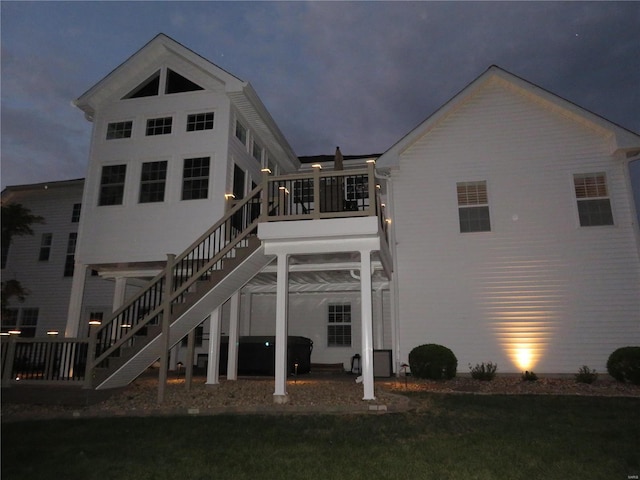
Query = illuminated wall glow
x=523 y=302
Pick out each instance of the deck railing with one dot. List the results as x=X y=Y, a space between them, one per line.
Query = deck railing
x=319 y=195
x=44 y=360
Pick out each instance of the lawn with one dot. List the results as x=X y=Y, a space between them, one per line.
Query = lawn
x=448 y=437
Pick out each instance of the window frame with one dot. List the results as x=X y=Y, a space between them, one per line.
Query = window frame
x=473 y=203
x=200 y=121
x=592 y=194
x=150 y=191
x=339 y=325
x=70 y=257
x=111 y=191
x=192 y=180
x=119 y=130
x=241 y=133
x=159 y=126
x=24 y=319
x=46 y=242
x=75 y=212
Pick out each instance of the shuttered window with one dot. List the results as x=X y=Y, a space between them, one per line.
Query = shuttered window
x=473 y=207
x=592 y=195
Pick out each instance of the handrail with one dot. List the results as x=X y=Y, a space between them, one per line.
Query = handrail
x=194 y=263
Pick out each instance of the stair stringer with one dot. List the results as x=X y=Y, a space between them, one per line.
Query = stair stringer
x=189 y=319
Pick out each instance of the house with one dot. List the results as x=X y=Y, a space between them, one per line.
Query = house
x=502 y=227
x=44 y=262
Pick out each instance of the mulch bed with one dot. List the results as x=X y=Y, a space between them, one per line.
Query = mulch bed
x=307 y=394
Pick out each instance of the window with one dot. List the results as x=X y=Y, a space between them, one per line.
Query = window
x=198 y=339
x=119 y=130
x=69 y=262
x=200 y=121
x=24 y=320
x=594 y=206
x=303 y=191
x=241 y=133
x=112 y=184
x=357 y=187
x=45 y=247
x=195 y=183
x=473 y=207
x=159 y=126
x=339 y=328
x=148 y=88
x=152 y=182
x=257 y=152
x=75 y=214
x=176 y=83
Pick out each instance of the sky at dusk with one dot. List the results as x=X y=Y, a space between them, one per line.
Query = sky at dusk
x=355 y=74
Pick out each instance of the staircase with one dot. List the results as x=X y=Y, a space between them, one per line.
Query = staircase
x=191 y=286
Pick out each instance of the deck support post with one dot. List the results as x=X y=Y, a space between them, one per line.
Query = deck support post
x=166 y=327
x=282 y=301
x=188 y=364
x=234 y=321
x=213 y=358
x=367 y=324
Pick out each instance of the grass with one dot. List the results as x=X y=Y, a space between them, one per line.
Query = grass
x=448 y=437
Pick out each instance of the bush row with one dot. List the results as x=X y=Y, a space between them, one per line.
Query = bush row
x=436 y=362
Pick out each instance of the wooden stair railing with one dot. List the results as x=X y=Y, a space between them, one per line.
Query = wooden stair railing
x=193 y=273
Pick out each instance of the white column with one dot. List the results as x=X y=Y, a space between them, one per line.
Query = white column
x=379 y=336
x=282 y=301
x=119 y=292
x=234 y=321
x=213 y=362
x=75 y=300
x=367 y=324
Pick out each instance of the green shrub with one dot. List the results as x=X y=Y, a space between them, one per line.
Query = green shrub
x=528 y=376
x=484 y=372
x=586 y=375
x=433 y=361
x=624 y=365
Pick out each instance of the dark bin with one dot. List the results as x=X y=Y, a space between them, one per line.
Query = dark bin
x=257 y=354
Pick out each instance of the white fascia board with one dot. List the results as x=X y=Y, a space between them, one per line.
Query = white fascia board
x=320 y=236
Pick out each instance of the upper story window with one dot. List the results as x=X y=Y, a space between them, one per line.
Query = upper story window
x=473 y=207
x=45 y=247
x=241 y=133
x=69 y=263
x=594 y=206
x=257 y=152
x=176 y=83
x=195 y=178
x=159 y=126
x=75 y=214
x=148 y=88
x=152 y=181
x=119 y=130
x=112 y=184
x=200 y=121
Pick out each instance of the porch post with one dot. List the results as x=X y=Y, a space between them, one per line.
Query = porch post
x=188 y=365
x=282 y=300
x=119 y=292
x=234 y=321
x=166 y=327
x=75 y=301
x=213 y=359
x=367 y=324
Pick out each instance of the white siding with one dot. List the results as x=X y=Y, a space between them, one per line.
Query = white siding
x=48 y=288
x=537 y=279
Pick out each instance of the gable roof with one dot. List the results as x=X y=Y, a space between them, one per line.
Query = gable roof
x=623 y=139
x=147 y=60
